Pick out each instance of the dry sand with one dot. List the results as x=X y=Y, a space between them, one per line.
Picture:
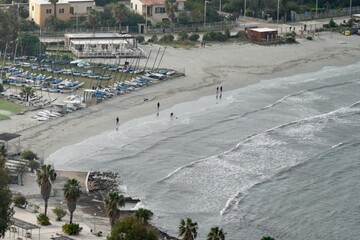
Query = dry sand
x=232 y=66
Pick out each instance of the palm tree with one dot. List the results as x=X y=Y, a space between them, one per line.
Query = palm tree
x=55 y=19
x=171 y=8
x=112 y=204
x=45 y=176
x=196 y=17
x=119 y=12
x=72 y=192
x=188 y=229
x=27 y=92
x=3 y=151
x=216 y=234
x=93 y=19
x=144 y=215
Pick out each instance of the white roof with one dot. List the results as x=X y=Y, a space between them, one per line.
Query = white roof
x=96 y=35
x=98 y=41
x=263 y=29
x=356 y=15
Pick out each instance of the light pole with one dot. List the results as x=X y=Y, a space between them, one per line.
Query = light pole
x=94 y=224
x=220 y=6
x=146 y=16
x=316 y=8
x=350 y=7
x=77 y=19
x=244 y=12
x=205 y=12
x=278 y=12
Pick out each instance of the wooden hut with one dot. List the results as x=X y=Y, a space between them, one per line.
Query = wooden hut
x=262 y=35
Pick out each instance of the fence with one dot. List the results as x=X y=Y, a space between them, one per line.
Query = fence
x=327 y=14
x=194 y=27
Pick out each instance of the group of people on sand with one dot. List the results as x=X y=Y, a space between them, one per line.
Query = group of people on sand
x=218 y=90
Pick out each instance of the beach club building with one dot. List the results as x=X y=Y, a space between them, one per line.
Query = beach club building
x=154 y=10
x=40 y=10
x=103 y=45
x=262 y=35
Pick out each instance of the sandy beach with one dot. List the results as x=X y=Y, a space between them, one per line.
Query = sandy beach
x=231 y=66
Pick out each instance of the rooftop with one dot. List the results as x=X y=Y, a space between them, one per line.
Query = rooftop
x=22 y=224
x=98 y=41
x=5 y=137
x=96 y=35
x=62 y=1
x=263 y=30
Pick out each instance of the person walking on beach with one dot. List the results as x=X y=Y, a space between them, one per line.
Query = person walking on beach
x=217 y=90
x=117 y=120
x=221 y=89
x=158 y=105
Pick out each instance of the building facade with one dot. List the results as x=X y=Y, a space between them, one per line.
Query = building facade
x=262 y=35
x=40 y=10
x=154 y=10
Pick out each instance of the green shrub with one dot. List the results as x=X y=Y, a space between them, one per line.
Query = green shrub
x=290 y=37
x=71 y=228
x=227 y=33
x=309 y=38
x=153 y=39
x=332 y=23
x=28 y=155
x=166 y=38
x=34 y=207
x=214 y=36
x=43 y=220
x=59 y=212
x=140 y=39
x=19 y=200
x=1 y=88
x=33 y=165
x=267 y=238
x=241 y=34
x=183 y=35
x=194 y=37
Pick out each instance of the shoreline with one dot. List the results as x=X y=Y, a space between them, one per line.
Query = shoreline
x=205 y=70
x=307 y=56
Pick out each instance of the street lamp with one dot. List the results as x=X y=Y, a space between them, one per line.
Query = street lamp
x=278 y=11
x=220 y=6
x=244 y=12
x=205 y=12
x=350 y=7
x=316 y=8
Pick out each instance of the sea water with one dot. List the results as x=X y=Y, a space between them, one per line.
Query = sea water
x=278 y=158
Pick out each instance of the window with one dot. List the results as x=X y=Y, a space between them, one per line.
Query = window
x=135 y=7
x=32 y=8
x=160 y=10
x=88 y=9
x=48 y=11
x=61 y=10
x=131 y=5
x=72 y=10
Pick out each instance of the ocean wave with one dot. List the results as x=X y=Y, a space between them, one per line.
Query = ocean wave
x=283 y=99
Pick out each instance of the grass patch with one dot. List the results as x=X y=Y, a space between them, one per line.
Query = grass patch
x=9 y=106
x=3 y=117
